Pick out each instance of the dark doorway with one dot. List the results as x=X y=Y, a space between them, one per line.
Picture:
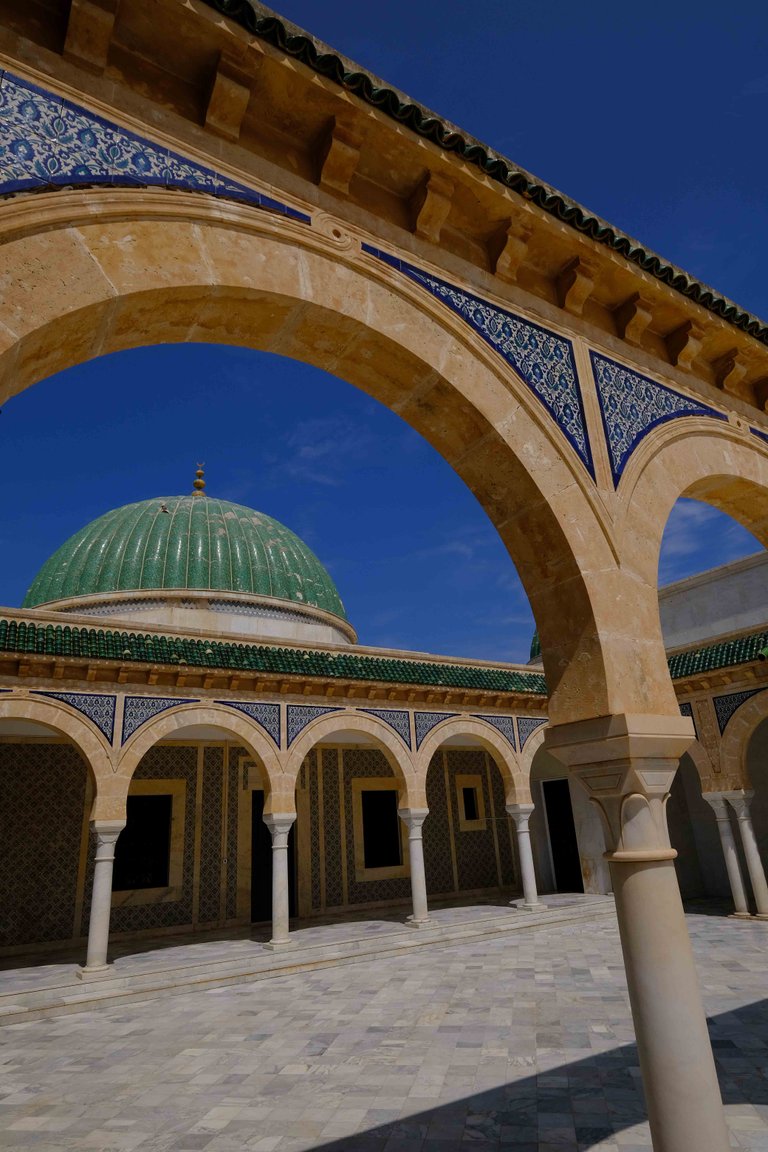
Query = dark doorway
x=562 y=836
x=261 y=863
x=143 y=849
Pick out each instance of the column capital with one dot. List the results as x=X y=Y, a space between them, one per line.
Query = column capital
x=718 y=802
x=413 y=818
x=279 y=824
x=521 y=813
x=740 y=801
x=626 y=764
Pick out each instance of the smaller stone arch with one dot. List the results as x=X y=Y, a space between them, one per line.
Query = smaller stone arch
x=92 y=745
x=529 y=750
x=394 y=749
x=735 y=741
x=702 y=762
x=490 y=739
x=235 y=724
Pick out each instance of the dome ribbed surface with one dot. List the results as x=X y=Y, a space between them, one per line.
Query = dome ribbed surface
x=199 y=544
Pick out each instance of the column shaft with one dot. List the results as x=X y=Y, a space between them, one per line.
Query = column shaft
x=740 y=803
x=627 y=764
x=414 y=818
x=107 y=832
x=521 y=814
x=719 y=806
x=279 y=825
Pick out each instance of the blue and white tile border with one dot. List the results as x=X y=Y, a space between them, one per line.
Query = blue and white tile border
x=503 y=724
x=47 y=141
x=398 y=720
x=632 y=405
x=137 y=710
x=542 y=359
x=526 y=726
x=424 y=722
x=299 y=715
x=726 y=706
x=100 y=710
x=267 y=716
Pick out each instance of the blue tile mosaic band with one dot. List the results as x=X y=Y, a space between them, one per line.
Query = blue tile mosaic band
x=46 y=142
x=760 y=434
x=267 y=716
x=398 y=720
x=632 y=405
x=425 y=721
x=726 y=706
x=687 y=710
x=299 y=715
x=137 y=710
x=543 y=360
x=526 y=726
x=100 y=710
x=503 y=724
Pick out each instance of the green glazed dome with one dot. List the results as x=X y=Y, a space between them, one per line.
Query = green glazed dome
x=185 y=543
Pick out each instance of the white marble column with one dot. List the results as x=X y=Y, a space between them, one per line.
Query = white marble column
x=279 y=824
x=740 y=802
x=521 y=814
x=96 y=966
x=627 y=764
x=719 y=806
x=413 y=818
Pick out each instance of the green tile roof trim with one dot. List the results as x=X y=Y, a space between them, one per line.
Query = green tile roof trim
x=23 y=636
x=740 y=650
x=186 y=543
x=288 y=38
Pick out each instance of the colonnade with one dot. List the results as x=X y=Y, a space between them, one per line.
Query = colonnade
x=740 y=802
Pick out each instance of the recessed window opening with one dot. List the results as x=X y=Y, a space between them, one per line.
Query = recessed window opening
x=143 y=849
x=471 y=807
x=382 y=846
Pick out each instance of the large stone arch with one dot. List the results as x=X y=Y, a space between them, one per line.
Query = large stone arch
x=231 y=723
x=487 y=737
x=93 y=271
x=394 y=749
x=736 y=737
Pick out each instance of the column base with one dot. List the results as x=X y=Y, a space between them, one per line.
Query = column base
x=416 y=923
x=523 y=907
x=760 y=916
x=279 y=945
x=96 y=972
x=739 y=915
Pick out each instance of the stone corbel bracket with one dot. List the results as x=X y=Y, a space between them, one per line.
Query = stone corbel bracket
x=633 y=318
x=339 y=151
x=575 y=283
x=89 y=33
x=729 y=371
x=430 y=206
x=508 y=248
x=684 y=344
x=230 y=93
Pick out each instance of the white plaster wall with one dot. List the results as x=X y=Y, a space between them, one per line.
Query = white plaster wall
x=731 y=598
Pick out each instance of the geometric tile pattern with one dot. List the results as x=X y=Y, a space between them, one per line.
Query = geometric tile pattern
x=267 y=716
x=41 y=821
x=139 y=709
x=503 y=724
x=526 y=726
x=725 y=706
x=210 y=835
x=313 y=783
x=426 y=721
x=48 y=141
x=544 y=361
x=687 y=710
x=100 y=710
x=299 y=715
x=632 y=405
x=334 y=891
x=436 y=833
x=395 y=718
x=475 y=854
x=231 y=841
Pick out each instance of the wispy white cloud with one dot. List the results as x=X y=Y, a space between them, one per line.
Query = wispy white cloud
x=698 y=537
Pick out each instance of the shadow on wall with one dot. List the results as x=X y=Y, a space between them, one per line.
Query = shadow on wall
x=577 y=1105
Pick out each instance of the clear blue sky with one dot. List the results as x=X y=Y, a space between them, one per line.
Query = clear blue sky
x=649 y=115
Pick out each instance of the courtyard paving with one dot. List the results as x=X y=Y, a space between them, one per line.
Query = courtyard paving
x=522 y=1042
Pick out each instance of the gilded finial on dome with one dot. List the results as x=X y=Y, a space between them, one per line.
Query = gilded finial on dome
x=199 y=484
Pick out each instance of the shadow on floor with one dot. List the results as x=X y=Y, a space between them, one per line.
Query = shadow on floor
x=575 y=1107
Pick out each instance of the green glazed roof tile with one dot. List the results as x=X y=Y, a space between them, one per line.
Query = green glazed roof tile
x=181 y=543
